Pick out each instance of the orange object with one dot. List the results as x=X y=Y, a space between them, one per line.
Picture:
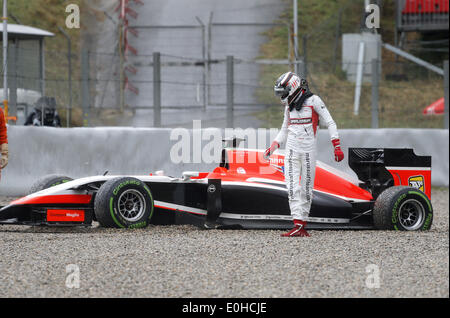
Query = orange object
x=3 y=133
x=436 y=108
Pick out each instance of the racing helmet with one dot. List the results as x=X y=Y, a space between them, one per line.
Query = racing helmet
x=289 y=86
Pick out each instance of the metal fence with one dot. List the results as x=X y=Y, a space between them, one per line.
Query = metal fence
x=221 y=83
x=32 y=76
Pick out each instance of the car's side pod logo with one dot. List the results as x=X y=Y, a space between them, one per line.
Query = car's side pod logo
x=211 y=188
x=417 y=182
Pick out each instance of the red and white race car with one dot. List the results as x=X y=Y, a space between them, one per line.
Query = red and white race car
x=393 y=191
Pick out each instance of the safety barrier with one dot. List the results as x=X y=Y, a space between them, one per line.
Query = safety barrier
x=78 y=152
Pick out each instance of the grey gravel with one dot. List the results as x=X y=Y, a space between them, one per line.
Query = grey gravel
x=183 y=261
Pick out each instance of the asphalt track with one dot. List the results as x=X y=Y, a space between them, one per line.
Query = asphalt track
x=184 y=261
x=182 y=85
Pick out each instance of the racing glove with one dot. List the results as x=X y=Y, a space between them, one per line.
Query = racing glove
x=338 y=154
x=4 y=155
x=269 y=151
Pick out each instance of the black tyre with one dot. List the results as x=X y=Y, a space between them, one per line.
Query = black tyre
x=124 y=203
x=402 y=208
x=48 y=182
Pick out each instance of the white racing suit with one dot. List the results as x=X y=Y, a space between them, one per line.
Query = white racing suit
x=299 y=132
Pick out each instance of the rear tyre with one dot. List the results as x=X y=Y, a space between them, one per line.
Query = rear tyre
x=402 y=208
x=48 y=182
x=124 y=203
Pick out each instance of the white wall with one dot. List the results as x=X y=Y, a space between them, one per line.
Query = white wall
x=78 y=152
x=350 y=51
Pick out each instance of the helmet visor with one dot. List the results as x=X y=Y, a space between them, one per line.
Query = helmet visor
x=281 y=92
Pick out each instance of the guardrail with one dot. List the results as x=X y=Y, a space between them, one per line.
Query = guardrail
x=80 y=152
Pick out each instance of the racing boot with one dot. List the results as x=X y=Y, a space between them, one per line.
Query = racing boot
x=298 y=230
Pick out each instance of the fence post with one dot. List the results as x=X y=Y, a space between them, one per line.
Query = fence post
x=446 y=94
x=204 y=49
x=336 y=39
x=305 y=55
x=69 y=60
x=42 y=68
x=375 y=84
x=69 y=57
x=359 y=78
x=13 y=80
x=301 y=68
x=289 y=46
x=230 y=92
x=208 y=54
x=156 y=89
x=205 y=69
x=42 y=74
x=121 y=64
x=295 y=13
x=85 y=85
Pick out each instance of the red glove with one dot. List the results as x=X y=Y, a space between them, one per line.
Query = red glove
x=338 y=154
x=269 y=151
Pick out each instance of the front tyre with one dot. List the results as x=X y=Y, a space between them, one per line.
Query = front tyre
x=402 y=208
x=124 y=203
x=48 y=182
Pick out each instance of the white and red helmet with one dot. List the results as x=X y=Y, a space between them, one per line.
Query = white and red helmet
x=289 y=86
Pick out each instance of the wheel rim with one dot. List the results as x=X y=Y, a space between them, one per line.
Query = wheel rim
x=411 y=214
x=131 y=205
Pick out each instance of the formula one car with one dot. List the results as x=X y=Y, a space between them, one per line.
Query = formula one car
x=392 y=192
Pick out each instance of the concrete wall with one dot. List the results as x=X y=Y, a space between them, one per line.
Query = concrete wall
x=78 y=152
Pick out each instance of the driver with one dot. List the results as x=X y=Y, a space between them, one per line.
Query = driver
x=3 y=142
x=302 y=112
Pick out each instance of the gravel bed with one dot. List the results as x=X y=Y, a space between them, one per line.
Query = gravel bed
x=184 y=261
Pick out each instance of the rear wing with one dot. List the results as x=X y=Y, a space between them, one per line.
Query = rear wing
x=380 y=168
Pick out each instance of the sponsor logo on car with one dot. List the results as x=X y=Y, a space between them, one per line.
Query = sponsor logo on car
x=211 y=188
x=57 y=215
x=417 y=182
x=277 y=161
x=241 y=170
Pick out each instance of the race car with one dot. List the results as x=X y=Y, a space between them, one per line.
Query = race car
x=392 y=191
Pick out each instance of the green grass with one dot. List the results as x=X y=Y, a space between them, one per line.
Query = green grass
x=400 y=102
x=49 y=15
